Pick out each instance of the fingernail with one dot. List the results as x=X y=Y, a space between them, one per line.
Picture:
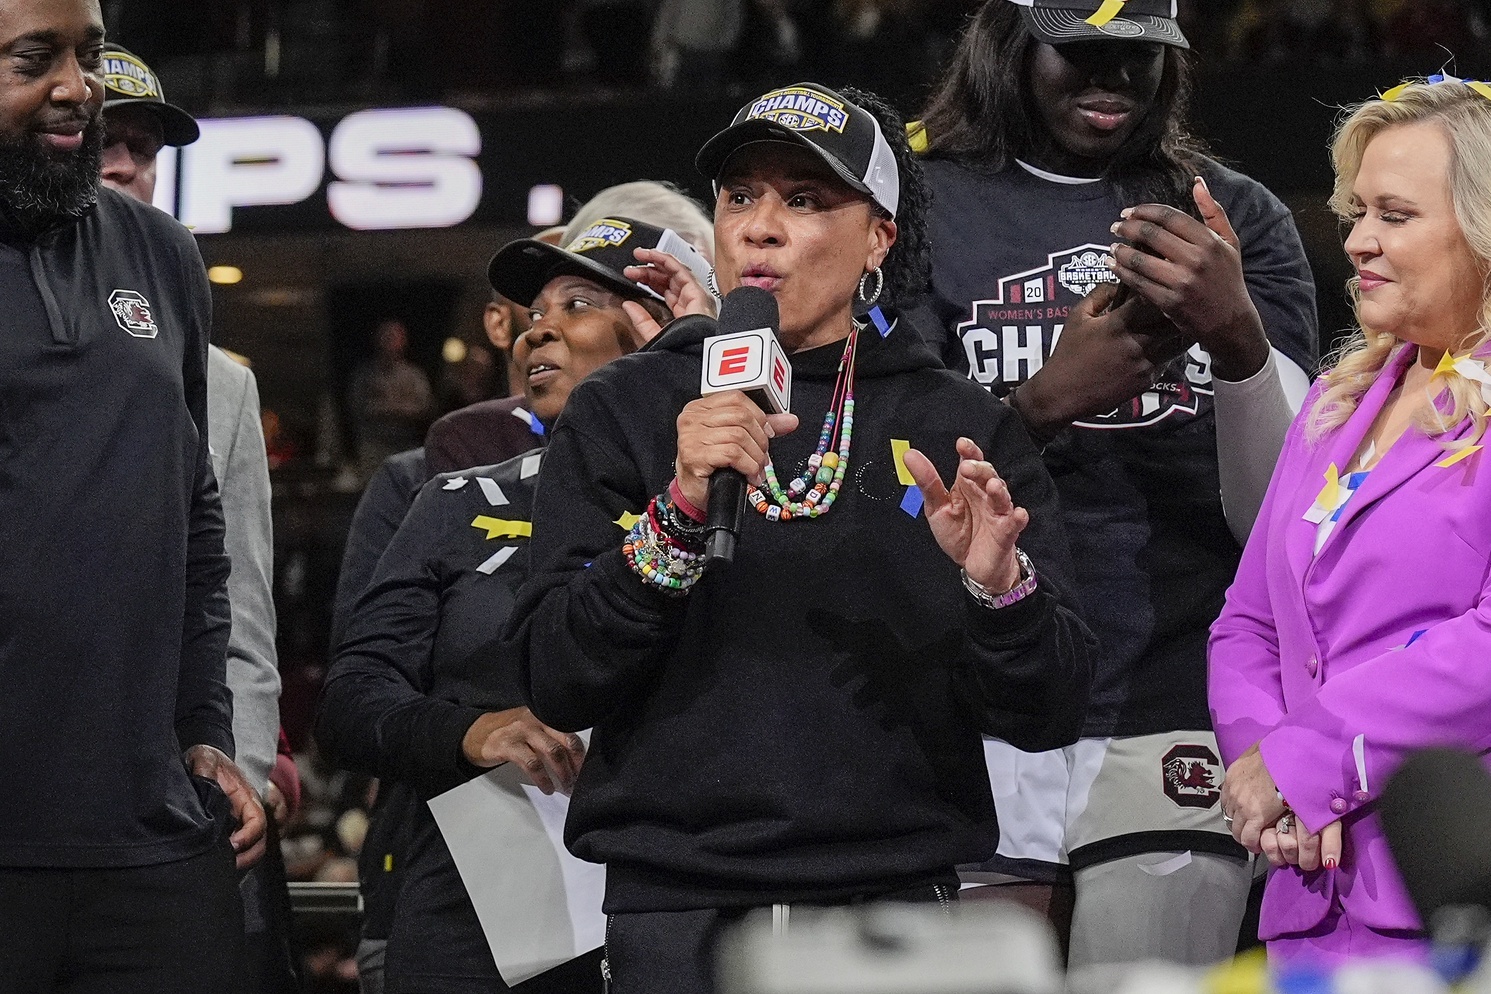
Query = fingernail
x=1114 y=248
x=1126 y=212
x=770 y=431
x=1114 y=227
x=1330 y=862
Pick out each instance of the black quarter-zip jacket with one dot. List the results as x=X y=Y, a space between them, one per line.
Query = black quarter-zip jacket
x=113 y=601
x=804 y=725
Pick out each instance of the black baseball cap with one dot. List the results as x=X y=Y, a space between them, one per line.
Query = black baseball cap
x=844 y=135
x=127 y=80
x=1057 y=22
x=520 y=270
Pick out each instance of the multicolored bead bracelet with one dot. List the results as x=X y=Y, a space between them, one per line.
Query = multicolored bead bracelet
x=665 y=547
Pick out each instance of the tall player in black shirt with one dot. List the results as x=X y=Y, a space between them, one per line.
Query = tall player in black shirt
x=1158 y=373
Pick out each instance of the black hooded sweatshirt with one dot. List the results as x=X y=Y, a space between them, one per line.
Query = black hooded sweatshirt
x=805 y=724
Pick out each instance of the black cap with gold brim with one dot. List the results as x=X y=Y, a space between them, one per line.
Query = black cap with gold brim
x=521 y=269
x=129 y=81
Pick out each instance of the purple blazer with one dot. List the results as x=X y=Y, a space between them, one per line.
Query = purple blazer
x=1345 y=662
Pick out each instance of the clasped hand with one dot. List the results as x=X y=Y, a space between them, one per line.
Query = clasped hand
x=1180 y=284
x=1262 y=823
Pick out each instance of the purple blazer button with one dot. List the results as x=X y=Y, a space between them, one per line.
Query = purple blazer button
x=1361 y=797
x=1312 y=666
x=1338 y=805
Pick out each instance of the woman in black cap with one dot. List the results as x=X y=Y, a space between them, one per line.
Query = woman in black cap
x=1159 y=374
x=416 y=694
x=801 y=726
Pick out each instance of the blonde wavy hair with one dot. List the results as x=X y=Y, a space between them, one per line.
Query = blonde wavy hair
x=1465 y=115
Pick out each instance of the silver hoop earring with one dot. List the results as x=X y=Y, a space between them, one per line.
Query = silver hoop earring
x=869 y=299
x=710 y=284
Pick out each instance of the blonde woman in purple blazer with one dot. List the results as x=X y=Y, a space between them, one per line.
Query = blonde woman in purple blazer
x=1359 y=627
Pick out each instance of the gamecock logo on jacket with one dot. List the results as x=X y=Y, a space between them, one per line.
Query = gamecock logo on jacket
x=133 y=313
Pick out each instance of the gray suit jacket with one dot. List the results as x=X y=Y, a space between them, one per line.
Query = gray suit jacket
x=236 y=441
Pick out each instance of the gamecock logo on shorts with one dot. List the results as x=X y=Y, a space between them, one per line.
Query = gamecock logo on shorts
x=133 y=312
x=1192 y=776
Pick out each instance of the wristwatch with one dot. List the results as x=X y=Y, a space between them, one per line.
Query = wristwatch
x=1022 y=588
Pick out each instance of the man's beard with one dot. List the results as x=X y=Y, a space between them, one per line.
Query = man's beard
x=40 y=187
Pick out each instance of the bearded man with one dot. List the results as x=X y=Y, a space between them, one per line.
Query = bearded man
x=123 y=812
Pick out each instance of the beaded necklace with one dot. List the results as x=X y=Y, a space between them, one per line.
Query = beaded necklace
x=813 y=493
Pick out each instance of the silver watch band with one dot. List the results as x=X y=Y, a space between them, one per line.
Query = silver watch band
x=1022 y=588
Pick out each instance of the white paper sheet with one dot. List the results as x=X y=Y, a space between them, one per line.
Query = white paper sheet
x=538 y=905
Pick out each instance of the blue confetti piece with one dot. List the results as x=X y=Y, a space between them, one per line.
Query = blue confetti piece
x=881 y=325
x=528 y=417
x=1411 y=639
x=912 y=502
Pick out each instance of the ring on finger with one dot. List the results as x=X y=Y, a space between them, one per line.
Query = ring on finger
x=1286 y=824
x=1226 y=819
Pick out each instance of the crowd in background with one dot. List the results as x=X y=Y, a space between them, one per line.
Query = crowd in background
x=262 y=52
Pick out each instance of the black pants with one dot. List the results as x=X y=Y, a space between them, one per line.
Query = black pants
x=673 y=952
x=174 y=928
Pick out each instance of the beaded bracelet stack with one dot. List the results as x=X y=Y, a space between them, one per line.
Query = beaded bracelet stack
x=665 y=547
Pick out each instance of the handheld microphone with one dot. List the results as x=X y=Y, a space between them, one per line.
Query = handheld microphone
x=745 y=356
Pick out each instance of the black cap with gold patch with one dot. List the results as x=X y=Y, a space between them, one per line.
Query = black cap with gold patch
x=128 y=80
x=520 y=270
x=841 y=133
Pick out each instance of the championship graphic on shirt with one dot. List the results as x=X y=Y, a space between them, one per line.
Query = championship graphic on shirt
x=1008 y=339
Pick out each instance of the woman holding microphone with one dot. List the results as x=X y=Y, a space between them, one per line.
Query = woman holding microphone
x=802 y=725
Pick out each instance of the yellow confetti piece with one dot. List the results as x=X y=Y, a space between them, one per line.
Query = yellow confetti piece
x=1484 y=89
x=1247 y=974
x=899 y=448
x=1396 y=92
x=1109 y=10
x=1446 y=365
x=916 y=136
x=388 y=862
x=627 y=520
x=1460 y=456
x=1330 y=494
x=501 y=528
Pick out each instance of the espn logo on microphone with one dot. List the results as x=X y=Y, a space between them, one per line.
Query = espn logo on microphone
x=751 y=361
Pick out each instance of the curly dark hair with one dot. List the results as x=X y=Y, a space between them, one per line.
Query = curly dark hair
x=908 y=267
x=982 y=113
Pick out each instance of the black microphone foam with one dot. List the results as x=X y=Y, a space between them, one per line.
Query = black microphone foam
x=745 y=308
x=1436 y=811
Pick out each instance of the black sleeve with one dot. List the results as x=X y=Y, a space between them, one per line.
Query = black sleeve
x=1276 y=271
x=379 y=513
x=587 y=630
x=204 y=704
x=375 y=715
x=1028 y=667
